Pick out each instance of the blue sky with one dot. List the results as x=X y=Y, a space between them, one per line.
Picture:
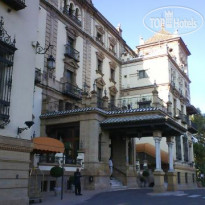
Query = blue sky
x=130 y=14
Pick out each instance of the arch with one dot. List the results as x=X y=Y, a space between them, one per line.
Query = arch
x=71 y=8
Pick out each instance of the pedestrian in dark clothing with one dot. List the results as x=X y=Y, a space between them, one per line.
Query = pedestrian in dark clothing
x=77 y=176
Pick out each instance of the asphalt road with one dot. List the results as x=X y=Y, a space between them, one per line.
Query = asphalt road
x=146 y=197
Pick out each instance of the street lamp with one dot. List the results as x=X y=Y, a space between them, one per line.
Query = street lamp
x=51 y=63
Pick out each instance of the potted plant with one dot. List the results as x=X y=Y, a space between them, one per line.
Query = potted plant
x=57 y=172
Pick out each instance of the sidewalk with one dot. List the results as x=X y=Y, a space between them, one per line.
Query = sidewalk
x=69 y=197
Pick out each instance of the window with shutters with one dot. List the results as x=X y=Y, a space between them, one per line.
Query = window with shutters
x=178 y=148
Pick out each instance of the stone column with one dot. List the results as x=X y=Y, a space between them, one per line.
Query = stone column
x=105 y=102
x=94 y=99
x=170 y=144
x=172 y=184
x=158 y=154
x=158 y=173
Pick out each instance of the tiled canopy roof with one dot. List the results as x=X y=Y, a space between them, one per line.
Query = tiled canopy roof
x=90 y=109
x=137 y=118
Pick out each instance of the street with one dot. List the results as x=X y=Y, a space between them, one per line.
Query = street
x=145 y=197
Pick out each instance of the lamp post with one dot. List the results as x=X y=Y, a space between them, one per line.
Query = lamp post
x=62 y=177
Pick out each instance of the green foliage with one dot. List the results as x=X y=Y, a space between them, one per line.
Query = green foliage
x=199 y=147
x=56 y=171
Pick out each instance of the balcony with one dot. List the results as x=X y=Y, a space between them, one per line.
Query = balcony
x=72 y=53
x=72 y=91
x=177 y=114
x=192 y=127
x=184 y=119
x=136 y=102
x=73 y=17
x=15 y=4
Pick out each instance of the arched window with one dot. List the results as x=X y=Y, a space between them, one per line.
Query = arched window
x=71 y=9
x=77 y=13
x=65 y=4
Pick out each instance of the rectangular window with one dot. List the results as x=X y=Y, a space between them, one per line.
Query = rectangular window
x=99 y=65
x=68 y=106
x=186 y=178
x=193 y=178
x=52 y=185
x=44 y=186
x=99 y=37
x=112 y=47
x=142 y=74
x=69 y=76
x=60 y=105
x=99 y=147
x=112 y=74
x=178 y=178
x=6 y=69
x=178 y=148
x=175 y=107
x=185 y=147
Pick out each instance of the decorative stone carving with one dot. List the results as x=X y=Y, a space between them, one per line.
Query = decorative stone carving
x=100 y=29
x=100 y=55
x=100 y=82
x=113 y=41
x=113 y=90
x=71 y=32
x=113 y=65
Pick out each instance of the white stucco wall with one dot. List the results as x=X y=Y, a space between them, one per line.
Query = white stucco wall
x=23 y=25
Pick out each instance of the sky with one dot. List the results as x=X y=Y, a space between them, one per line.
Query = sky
x=130 y=15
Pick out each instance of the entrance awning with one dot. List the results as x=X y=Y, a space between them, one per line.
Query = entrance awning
x=150 y=150
x=47 y=144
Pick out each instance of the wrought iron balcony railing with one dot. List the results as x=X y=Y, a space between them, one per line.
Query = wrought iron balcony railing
x=184 y=119
x=70 y=15
x=136 y=102
x=15 y=4
x=48 y=80
x=71 y=52
x=4 y=110
x=192 y=127
x=72 y=90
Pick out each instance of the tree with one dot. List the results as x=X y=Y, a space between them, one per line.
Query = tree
x=199 y=146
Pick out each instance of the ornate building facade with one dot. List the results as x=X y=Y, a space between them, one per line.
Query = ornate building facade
x=99 y=97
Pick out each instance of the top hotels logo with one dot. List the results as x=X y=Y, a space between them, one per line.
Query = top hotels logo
x=174 y=18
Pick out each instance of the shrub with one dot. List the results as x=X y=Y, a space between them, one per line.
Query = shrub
x=56 y=171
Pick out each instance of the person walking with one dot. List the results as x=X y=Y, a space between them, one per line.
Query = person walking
x=111 y=167
x=77 y=176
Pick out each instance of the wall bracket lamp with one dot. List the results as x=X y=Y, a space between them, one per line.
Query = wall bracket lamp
x=40 y=49
x=28 y=124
